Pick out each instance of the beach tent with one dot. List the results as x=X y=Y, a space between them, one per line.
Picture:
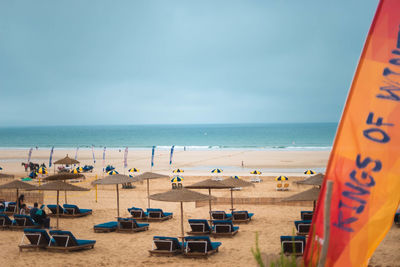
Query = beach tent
x=234 y=183
x=180 y=195
x=18 y=185
x=116 y=180
x=60 y=186
x=149 y=176
x=209 y=184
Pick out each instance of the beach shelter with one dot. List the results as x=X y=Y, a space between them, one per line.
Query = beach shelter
x=180 y=195
x=60 y=186
x=313 y=180
x=63 y=177
x=150 y=176
x=234 y=183
x=209 y=184
x=308 y=195
x=133 y=170
x=116 y=180
x=113 y=172
x=281 y=178
x=178 y=171
x=309 y=172
x=65 y=161
x=18 y=185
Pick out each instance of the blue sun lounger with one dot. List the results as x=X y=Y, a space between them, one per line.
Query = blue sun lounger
x=53 y=209
x=241 y=216
x=75 y=211
x=166 y=246
x=66 y=241
x=302 y=227
x=220 y=215
x=306 y=215
x=5 y=221
x=293 y=245
x=224 y=228
x=138 y=213
x=38 y=238
x=397 y=218
x=200 y=246
x=199 y=227
x=11 y=208
x=105 y=227
x=130 y=225
x=158 y=215
x=24 y=221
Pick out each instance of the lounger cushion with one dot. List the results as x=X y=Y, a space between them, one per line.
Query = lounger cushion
x=142 y=224
x=107 y=225
x=226 y=215
x=28 y=220
x=53 y=209
x=74 y=241
x=82 y=242
x=173 y=239
x=205 y=222
x=210 y=245
x=296 y=223
x=7 y=219
x=163 y=214
x=76 y=208
x=85 y=210
x=43 y=233
x=249 y=215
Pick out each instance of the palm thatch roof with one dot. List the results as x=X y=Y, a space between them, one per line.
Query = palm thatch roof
x=64 y=176
x=210 y=184
x=5 y=176
x=66 y=161
x=236 y=182
x=313 y=180
x=60 y=186
x=180 y=195
x=308 y=195
x=116 y=179
x=17 y=184
x=151 y=175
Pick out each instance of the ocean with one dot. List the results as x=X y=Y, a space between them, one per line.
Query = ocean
x=294 y=136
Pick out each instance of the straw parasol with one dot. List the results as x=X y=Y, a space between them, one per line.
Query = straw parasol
x=210 y=184
x=60 y=186
x=180 y=195
x=66 y=161
x=63 y=177
x=148 y=176
x=313 y=180
x=6 y=176
x=18 y=185
x=235 y=183
x=308 y=195
x=116 y=180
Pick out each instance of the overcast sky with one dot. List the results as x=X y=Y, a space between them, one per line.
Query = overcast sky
x=138 y=62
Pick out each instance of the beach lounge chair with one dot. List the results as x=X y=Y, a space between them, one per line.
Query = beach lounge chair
x=199 y=227
x=285 y=187
x=24 y=221
x=130 y=225
x=5 y=221
x=306 y=215
x=74 y=211
x=255 y=180
x=157 y=215
x=397 y=218
x=220 y=215
x=293 y=245
x=138 y=213
x=105 y=227
x=38 y=238
x=224 y=228
x=166 y=246
x=279 y=187
x=53 y=209
x=66 y=241
x=11 y=208
x=200 y=246
x=241 y=216
x=302 y=227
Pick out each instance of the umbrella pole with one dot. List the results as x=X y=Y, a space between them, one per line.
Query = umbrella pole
x=209 y=202
x=117 y=200
x=232 y=200
x=314 y=203
x=182 y=230
x=17 y=201
x=58 y=209
x=65 y=195
x=148 y=194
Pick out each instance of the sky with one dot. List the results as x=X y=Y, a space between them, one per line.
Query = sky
x=81 y=62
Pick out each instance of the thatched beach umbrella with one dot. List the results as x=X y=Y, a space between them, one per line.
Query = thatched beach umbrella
x=234 y=182
x=308 y=195
x=60 y=186
x=116 y=180
x=63 y=177
x=313 y=180
x=6 y=176
x=210 y=184
x=180 y=195
x=18 y=185
x=148 y=176
x=66 y=161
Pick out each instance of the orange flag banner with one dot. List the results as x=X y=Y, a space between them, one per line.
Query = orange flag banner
x=364 y=164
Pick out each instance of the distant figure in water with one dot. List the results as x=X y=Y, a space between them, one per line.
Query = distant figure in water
x=37 y=148
x=184 y=148
x=120 y=150
x=242 y=164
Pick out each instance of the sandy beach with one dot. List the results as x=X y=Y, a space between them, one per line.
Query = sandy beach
x=114 y=249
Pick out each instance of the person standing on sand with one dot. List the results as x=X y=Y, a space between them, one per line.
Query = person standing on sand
x=20 y=202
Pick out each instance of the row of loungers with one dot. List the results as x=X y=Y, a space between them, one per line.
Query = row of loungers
x=194 y=246
x=20 y=222
x=151 y=215
x=220 y=228
x=59 y=240
x=121 y=225
x=68 y=211
x=242 y=216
